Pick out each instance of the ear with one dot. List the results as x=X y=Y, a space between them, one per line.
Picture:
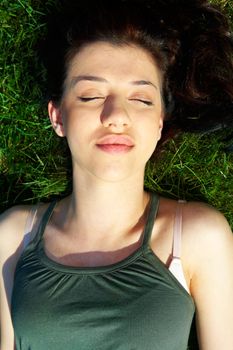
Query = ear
x=56 y=119
x=160 y=127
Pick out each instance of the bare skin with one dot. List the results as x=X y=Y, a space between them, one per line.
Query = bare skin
x=108 y=193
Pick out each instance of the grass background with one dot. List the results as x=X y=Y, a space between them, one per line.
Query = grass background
x=33 y=161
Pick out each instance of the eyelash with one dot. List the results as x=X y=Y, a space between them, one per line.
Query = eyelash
x=148 y=103
x=88 y=99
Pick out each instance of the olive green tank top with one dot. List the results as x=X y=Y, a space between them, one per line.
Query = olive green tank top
x=134 y=304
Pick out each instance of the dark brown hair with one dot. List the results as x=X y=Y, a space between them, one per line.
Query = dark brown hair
x=189 y=40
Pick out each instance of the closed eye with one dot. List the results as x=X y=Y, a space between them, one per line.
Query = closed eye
x=87 y=99
x=146 y=102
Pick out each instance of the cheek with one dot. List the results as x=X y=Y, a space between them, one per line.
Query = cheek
x=149 y=135
x=76 y=121
x=80 y=132
x=151 y=127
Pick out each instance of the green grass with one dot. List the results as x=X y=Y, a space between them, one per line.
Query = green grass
x=33 y=161
x=195 y=167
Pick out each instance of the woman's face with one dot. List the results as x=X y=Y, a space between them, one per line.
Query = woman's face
x=111 y=111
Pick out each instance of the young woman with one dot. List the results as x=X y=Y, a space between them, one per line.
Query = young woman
x=113 y=266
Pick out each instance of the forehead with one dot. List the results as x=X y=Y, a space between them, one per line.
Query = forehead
x=124 y=61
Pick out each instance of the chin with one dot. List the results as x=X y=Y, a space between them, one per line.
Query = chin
x=113 y=177
x=119 y=173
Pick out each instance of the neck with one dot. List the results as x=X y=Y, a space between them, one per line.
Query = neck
x=99 y=206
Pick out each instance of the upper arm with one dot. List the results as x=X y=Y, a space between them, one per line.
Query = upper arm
x=212 y=278
x=12 y=224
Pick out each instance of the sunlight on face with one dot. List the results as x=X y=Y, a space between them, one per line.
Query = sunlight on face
x=112 y=110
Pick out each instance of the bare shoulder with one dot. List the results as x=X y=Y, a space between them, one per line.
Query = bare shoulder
x=207 y=238
x=208 y=243
x=204 y=222
x=206 y=233
x=201 y=221
x=12 y=229
x=12 y=224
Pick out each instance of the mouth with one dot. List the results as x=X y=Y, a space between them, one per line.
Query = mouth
x=115 y=144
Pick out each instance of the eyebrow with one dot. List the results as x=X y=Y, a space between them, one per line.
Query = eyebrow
x=77 y=79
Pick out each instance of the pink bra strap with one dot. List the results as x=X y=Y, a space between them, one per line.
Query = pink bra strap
x=177 y=232
x=29 y=225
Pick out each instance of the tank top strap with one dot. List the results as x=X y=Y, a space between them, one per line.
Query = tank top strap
x=153 y=209
x=43 y=222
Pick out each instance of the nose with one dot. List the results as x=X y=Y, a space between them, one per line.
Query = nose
x=115 y=114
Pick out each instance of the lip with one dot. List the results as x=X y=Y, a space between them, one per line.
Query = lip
x=116 y=140
x=115 y=144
